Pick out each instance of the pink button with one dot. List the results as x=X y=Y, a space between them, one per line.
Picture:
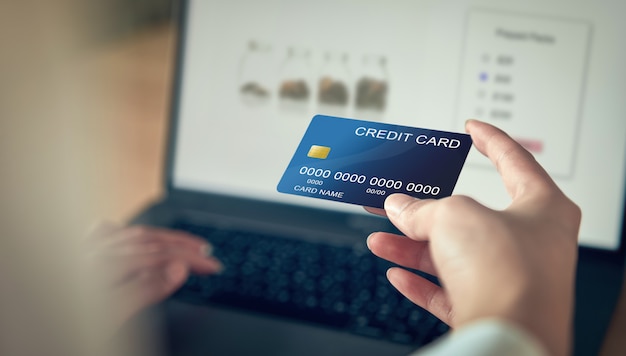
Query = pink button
x=534 y=146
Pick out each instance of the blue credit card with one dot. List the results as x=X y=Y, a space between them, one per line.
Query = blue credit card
x=363 y=162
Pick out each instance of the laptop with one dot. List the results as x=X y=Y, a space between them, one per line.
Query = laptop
x=299 y=279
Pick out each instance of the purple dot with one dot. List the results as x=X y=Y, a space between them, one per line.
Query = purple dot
x=483 y=77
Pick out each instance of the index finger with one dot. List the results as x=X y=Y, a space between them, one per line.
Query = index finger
x=145 y=234
x=520 y=172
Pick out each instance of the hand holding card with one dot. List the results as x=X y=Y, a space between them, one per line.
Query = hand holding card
x=362 y=162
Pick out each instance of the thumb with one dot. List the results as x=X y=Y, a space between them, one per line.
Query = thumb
x=149 y=287
x=158 y=285
x=410 y=215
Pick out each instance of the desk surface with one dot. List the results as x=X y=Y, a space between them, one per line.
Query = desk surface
x=134 y=76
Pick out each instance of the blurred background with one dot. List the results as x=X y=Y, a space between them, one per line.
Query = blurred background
x=84 y=94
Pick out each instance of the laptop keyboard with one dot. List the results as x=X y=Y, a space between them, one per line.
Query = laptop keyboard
x=339 y=287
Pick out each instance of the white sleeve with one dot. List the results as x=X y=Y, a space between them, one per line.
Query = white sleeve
x=488 y=337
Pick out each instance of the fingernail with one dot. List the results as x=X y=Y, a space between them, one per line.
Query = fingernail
x=206 y=250
x=175 y=272
x=395 y=203
x=390 y=275
x=219 y=267
x=367 y=241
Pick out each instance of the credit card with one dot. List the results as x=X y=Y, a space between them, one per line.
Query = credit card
x=362 y=162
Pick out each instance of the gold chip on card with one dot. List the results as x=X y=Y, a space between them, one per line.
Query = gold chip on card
x=320 y=152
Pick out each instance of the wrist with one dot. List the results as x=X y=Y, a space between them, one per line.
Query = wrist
x=550 y=324
x=488 y=336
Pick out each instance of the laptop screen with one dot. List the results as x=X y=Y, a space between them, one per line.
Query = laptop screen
x=551 y=74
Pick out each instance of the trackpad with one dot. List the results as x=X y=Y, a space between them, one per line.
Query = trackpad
x=202 y=330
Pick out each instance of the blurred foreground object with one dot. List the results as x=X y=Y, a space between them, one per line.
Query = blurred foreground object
x=118 y=18
x=49 y=300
